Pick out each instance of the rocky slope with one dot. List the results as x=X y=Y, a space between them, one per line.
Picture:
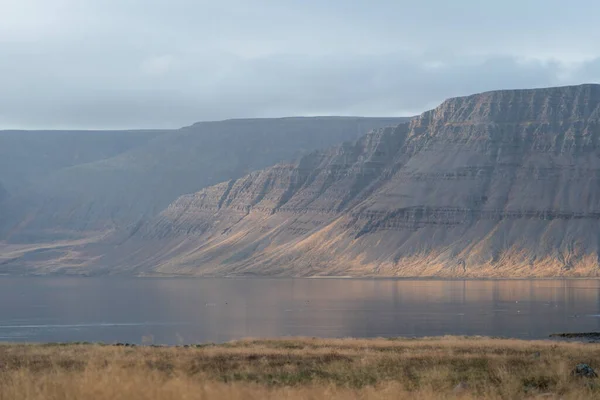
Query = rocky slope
x=68 y=185
x=504 y=183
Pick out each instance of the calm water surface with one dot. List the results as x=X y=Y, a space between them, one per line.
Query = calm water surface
x=173 y=311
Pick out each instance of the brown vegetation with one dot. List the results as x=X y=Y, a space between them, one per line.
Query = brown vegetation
x=437 y=368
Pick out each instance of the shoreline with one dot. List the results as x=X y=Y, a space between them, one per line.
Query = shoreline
x=561 y=337
x=316 y=277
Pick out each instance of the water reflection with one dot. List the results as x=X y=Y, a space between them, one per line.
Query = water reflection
x=197 y=310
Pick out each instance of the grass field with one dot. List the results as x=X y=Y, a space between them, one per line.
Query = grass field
x=302 y=368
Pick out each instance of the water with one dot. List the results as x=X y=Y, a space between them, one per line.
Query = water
x=174 y=311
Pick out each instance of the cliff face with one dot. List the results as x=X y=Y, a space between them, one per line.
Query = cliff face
x=497 y=184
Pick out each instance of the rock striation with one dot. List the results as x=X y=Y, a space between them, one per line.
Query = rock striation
x=498 y=184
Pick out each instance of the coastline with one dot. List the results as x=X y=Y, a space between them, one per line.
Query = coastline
x=281 y=277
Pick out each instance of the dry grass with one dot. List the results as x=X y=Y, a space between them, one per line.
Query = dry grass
x=301 y=369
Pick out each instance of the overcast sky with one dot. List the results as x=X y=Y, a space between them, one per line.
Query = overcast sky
x=169 y=63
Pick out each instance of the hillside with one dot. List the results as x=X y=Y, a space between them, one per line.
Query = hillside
x=497 y=184
x=70 y=184
x=3 y=193
x=30 y=156
x=3 y=197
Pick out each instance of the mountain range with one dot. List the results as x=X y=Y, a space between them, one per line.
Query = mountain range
x=70 y=186
x=497 y=184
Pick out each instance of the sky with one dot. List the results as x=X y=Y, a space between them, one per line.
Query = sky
x=108 y=64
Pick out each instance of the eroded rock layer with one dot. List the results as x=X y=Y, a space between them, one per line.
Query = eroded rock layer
x=497 y=184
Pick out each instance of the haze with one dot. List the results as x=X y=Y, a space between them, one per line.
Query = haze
x=147 y=63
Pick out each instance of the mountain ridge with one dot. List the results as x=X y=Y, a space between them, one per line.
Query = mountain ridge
x=75 y=185
x=499 y=184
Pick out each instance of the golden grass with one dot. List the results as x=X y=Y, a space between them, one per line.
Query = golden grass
x=438 y=368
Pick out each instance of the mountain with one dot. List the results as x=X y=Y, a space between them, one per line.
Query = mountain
x=3 y=193
x=70 y=185
x=498 y=184
x=30 y=156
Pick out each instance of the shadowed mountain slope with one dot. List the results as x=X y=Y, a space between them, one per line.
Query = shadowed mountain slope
x=3 y=193
x=70 y=184
x=26 y=157
x=503 y=183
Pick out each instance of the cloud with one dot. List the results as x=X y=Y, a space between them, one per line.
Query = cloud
x=153 y=63
x=156 y=66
